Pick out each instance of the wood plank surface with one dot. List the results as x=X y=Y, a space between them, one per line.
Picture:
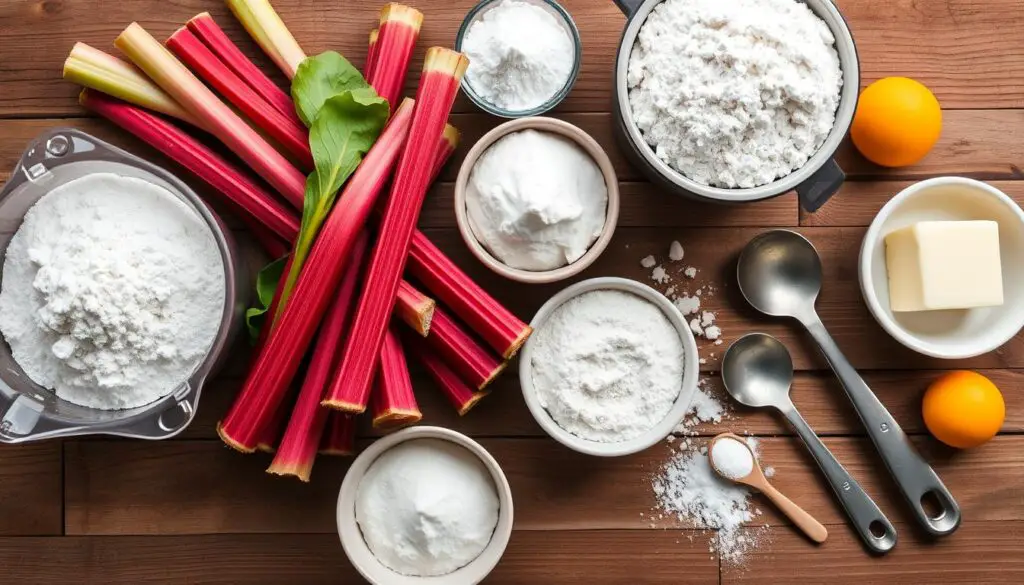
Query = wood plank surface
x=126 y=487
x=967 y=51
x=31 y=489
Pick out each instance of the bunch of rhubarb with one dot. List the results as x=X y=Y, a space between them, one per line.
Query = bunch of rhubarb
x=356 y=292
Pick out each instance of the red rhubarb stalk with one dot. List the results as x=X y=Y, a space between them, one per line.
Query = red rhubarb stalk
x=496 y=325
x=339 y=435
x=167 y=72
x=394 y=404
x=213 y=36
x=414 y=307
x=399 y=29
x=275 y=366
x=238 y=188
x=371 y=54
x=288 y=132
x=462 y=396
x=476 y=364
x=297 y=451
x=439 y=84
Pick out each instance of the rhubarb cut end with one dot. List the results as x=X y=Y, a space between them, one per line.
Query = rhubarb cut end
x=231 y=442
x=300 y=472
x=469 y=404
x=396 y=418
x=400 y=13
x=445 y=61
x=451 y=136
x=374 y=34
x=265 y=448
x=344 y=406
x=198 y=17
x=518 y=342
x=493 y=375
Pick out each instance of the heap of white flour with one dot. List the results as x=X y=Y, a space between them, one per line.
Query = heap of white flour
x=734 y=94
x=113 y=292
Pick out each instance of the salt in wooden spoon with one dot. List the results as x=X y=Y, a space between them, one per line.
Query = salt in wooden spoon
x=734 y=468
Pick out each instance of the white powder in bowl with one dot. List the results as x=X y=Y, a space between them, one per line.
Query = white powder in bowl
x=737 y=93
x=732 y=458
x=520 y=55
x=607 y=365
x=536 y=200
x=426 y=507
x=113 y=291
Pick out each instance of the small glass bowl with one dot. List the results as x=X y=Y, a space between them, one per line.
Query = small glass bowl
x=570 y=26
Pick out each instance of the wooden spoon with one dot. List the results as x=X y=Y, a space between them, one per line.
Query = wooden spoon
x=756 y=479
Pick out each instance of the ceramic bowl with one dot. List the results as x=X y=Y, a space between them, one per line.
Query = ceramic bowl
x=590 y=146
x=948 y=334
x=687 y=387
x=359 y=553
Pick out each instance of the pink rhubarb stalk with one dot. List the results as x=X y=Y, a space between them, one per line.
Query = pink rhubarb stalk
x=394 y=404
x=339 y=435
x=399 y=29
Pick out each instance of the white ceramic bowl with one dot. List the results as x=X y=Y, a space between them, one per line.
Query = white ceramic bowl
x=352 y=538
x=687 y=388
x=949 y=334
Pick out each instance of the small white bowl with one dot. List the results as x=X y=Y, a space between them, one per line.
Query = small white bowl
x=952 y=334
x=687 y=387
x=359 y=553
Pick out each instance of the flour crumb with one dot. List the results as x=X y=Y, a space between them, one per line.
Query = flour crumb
x=769 y=471
x=697 y=330
x=675 y=251
x=659 y=275
x=690 y=272
x=707 y=318
x=687 y=305
x=670 y=291
x=648 y=262
x=713 y=333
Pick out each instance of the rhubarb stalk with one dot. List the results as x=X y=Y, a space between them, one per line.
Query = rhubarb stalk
x=371 y=54
x=399 y=29
x=340 y=435
x=439 y=84
x=238 y=189
x=394 y=404
x=297 y=451
x=275 y=366
x=204 y=27
x=164 y=69
x=414 y=307
x=268 y=30
x=92 y=68
x=460 y=350
x=288 y=132
x=462 y=396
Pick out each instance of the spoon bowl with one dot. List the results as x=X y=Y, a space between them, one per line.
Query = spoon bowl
x=779 y=273
x=757 y=371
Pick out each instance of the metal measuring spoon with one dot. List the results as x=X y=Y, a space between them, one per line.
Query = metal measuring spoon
x=756 y=479
x=779 y=273
x=758 y=371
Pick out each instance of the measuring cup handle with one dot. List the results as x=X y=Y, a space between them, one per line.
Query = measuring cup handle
x=912 y=474
x=629 y=7
x=820 y=186
x=864 y=514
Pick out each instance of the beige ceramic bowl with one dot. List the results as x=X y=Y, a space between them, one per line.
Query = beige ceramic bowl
x=589 y=145
x=352 y=538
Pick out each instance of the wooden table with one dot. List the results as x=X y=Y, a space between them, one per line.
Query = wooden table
x=188 y=510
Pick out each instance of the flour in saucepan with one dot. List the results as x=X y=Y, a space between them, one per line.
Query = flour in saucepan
x=737 y=93
x=113 y=291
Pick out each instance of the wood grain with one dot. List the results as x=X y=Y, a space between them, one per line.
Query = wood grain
x=979 y=553
x=127 y=488
x=31 y=489
x=966 y=51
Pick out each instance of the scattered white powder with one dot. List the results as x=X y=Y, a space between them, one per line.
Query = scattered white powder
x=732 y=458
x=675 y=251
x=607 y=365
x=690 y=272
x=659 y=275
x=769 y=471
x=113 y=292
x=520 y=55
x=670 y=291
x=426 y=507
x=536 y=200
x=713 y=333
x=695 y=327
x=687 y=305
x=707 y=318
x=687 y=488
x=704 y=408
x=734 y=94
x=648 y=262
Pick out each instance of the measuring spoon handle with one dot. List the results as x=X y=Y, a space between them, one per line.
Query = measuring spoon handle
x=914 y=477
x=804 y=521
x=860 y=508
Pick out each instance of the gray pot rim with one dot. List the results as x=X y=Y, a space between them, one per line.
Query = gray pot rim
x=637 y=12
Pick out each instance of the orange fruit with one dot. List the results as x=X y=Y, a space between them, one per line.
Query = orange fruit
x=897 y=122
x=963 y=409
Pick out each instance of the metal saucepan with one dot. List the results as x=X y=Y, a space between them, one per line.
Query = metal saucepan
x=815 y=182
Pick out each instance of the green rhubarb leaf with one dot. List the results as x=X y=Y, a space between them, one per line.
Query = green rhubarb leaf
x=266 y=284
x=345 y=128
x=320 y=78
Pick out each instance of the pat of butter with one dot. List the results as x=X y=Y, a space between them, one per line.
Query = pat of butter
x=936 y=265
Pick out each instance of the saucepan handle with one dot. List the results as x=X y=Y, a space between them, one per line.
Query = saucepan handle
x=629 y=7
x=820 y=186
